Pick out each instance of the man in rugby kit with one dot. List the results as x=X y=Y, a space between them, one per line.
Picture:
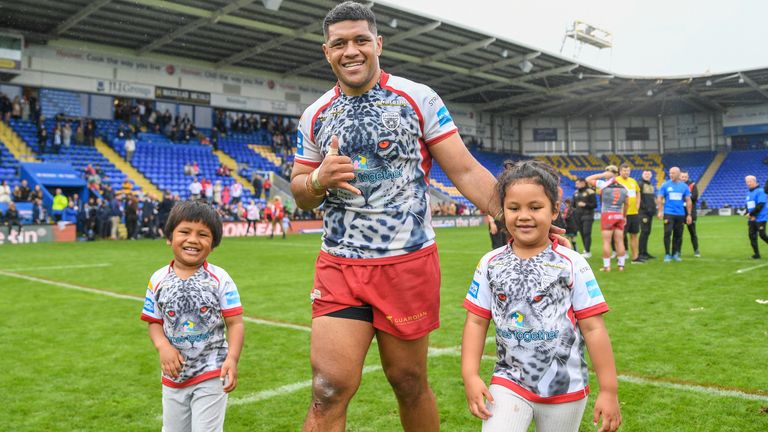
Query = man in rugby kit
x=364 y=150
x=613 y=199
x=674 y=203
x=633 y=208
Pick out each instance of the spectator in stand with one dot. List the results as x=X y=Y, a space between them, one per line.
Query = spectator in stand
x=237 y=192
x=164 y=209
x=107 y=193
x=16 y=108
x=69 y=214
x=5 y=107
x=207 y=190
x=90 y=133
x=5 y=192
x=57 y=139
x=39 y=214
x=11 y=218
x=127 y=188
x=60 y=202
x=130 y=147
x=694 y=188
x=195 y=168
x=80 y=134
x=217 y=189
x=195 y=189
x=42 y=139
x=37 y=193
x=252 y=216
x=25 y=108
x=215 y=139
x=267 y=188
x=226 y=196
x=66 y=135
x=149 y=216
x=22 y=192
x=90 y=217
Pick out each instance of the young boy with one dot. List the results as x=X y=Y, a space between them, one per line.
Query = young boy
x=188 y=305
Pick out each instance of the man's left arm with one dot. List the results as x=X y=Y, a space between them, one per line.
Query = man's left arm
x=475 y=182
x=689 y=208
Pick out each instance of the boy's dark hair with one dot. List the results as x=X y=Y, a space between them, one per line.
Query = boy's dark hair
x=349 y=11
x=194 y=211
x=530 y=171
x=624 y=165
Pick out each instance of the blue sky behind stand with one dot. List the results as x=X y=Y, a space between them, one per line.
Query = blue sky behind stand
x=650 y=37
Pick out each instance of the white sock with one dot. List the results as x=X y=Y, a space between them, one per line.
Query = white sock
x=606 y=262
x=621 y=260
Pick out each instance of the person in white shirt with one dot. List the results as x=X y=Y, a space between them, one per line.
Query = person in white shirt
x=252 y=215
x=194 y=189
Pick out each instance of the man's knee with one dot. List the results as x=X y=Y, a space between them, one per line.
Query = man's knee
x=409 y=383
x=332 y=392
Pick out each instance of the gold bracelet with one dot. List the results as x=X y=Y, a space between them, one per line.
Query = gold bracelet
x=312 y=191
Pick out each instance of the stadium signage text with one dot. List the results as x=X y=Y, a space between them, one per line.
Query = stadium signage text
x=40 y=234
x=122 y=88
x=180 y=95
x=457 y=222
x=239 y=229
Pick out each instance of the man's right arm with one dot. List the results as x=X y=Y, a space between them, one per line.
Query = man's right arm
x=305 y=198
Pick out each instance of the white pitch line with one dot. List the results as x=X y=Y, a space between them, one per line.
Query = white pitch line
x=744 y=270
x=60 y=267
x=694 y=388
x=141 y=299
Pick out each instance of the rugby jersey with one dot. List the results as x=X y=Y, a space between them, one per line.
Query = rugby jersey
x=386 y=132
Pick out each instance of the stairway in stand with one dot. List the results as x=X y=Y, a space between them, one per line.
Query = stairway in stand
x=15 y=144
x=128 y=169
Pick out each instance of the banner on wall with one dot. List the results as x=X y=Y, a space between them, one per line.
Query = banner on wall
x=40 y=234
x=746 y=120
x=122 y=88
x=637 y=134
x=183 y=96
x=242 y=103
x=545 y=134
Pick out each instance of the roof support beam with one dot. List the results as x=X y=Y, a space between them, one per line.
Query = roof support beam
x=753 y=84
x=213 y=17
x=258 y=49
x=487 y=67
x=416 y=31
x=557 y=91
x=76 y=18
x=519 y=81
x=445 y=54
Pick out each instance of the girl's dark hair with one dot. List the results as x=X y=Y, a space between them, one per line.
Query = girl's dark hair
x=349 y=11
x=529 y=171
x=194 y=211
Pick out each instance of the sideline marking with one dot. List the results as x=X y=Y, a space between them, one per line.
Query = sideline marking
x=744 y=270
x=433 y=352
x=141 y=299
x=60 y=267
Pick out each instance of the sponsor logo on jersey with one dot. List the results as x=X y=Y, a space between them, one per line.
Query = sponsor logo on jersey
x=376 y=176
x=149 y=305
x=299 y=143
x=390 y=119
x=232 y=297
x=189 y=326
x=593 y=289
x=517 y=319
x=473 y=288
x=391 y=103
x=360 y=162
x=529 y=335
x=407 y=319
x=443 y=116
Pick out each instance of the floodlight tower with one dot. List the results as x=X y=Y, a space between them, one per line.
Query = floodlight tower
x=587 y=34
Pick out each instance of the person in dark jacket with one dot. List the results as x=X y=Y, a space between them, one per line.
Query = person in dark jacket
x=11 y=218
x=692 y=226
x=647 y=212
x=584 y=204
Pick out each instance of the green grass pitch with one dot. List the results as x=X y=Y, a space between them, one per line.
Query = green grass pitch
x=690 y=340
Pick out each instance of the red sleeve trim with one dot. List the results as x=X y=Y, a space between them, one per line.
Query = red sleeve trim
x=151 y=319
x=477 y=310
x=442 y=136
x=533 y=397
x=597 y=309
x=232 y=312
x=307 y=163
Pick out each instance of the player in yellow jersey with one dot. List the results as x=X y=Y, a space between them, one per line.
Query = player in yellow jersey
x=633 y=219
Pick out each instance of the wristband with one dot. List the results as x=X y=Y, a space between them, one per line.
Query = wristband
x=309 y=185
x=315 y=181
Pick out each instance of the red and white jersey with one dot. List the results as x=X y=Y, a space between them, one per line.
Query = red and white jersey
x=535 y=304
x=192 y=313
x=387 y=133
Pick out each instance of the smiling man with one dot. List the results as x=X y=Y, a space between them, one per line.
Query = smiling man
x=364 y=151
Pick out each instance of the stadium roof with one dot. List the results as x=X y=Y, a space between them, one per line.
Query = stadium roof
x=462 y=64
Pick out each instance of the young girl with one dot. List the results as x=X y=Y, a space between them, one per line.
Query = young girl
x=545 y=304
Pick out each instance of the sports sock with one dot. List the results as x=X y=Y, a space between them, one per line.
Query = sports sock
x=606 y=262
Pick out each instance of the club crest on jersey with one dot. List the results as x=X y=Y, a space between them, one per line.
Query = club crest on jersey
x=390 y=119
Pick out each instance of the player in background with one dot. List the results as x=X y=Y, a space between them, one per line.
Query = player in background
x=613 y=211
x=633 y=209
x=757 y=213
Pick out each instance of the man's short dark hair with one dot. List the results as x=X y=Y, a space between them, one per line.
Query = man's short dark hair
x=625 y=165
x=349 y=11
x=194 y=211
